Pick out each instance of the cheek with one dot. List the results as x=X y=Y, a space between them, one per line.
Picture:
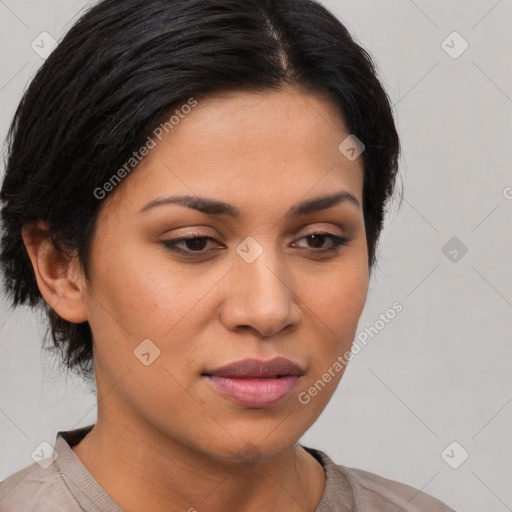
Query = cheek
x=337 y=297
x=336 y=309
x=139 y=297
x=146 y=294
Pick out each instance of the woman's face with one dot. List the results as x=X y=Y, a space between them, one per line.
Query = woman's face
x=251 y=284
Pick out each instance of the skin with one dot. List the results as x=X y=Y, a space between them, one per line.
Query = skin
x=165 y=439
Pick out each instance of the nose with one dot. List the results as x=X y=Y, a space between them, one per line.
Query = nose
x=260 y=296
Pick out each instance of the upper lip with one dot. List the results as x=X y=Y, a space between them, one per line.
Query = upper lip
x=254 y=368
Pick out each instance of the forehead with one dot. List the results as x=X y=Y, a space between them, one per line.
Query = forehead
x=249 y=146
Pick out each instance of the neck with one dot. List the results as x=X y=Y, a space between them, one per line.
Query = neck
x=142 y=470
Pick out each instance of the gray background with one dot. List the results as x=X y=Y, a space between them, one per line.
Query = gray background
x=440 y=370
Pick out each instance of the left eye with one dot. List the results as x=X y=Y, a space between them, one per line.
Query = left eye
x=318 y=238
x=195 y=245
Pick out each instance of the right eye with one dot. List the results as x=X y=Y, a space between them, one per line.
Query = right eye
x=194 y=244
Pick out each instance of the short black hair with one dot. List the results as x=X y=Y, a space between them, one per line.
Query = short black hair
x=121 y=68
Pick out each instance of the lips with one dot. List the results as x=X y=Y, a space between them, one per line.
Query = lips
x=254 y=369
x=256 y=384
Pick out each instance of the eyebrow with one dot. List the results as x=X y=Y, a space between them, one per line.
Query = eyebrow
x=215 y=207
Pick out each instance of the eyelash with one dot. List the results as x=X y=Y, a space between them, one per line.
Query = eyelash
x=337 y=241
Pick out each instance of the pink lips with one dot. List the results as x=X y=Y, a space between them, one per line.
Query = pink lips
x=256 y=384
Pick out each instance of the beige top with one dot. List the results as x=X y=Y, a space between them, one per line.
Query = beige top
x=65 y=485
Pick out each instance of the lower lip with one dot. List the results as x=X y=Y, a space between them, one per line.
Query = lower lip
x=254 y=393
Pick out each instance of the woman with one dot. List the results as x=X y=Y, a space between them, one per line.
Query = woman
x=194 y=191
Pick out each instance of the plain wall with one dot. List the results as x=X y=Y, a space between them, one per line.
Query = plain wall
x=440 y=370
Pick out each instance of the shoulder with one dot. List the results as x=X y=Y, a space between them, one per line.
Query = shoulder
x=370 y=488
x=34 y=489
x=370 y=492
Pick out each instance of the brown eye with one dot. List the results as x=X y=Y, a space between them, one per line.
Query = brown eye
x=190 y=245
x=196 y=245
x=317 y=240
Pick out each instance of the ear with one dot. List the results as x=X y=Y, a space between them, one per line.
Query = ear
x=59 y=276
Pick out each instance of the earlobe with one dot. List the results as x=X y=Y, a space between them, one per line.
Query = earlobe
x=57 y=274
